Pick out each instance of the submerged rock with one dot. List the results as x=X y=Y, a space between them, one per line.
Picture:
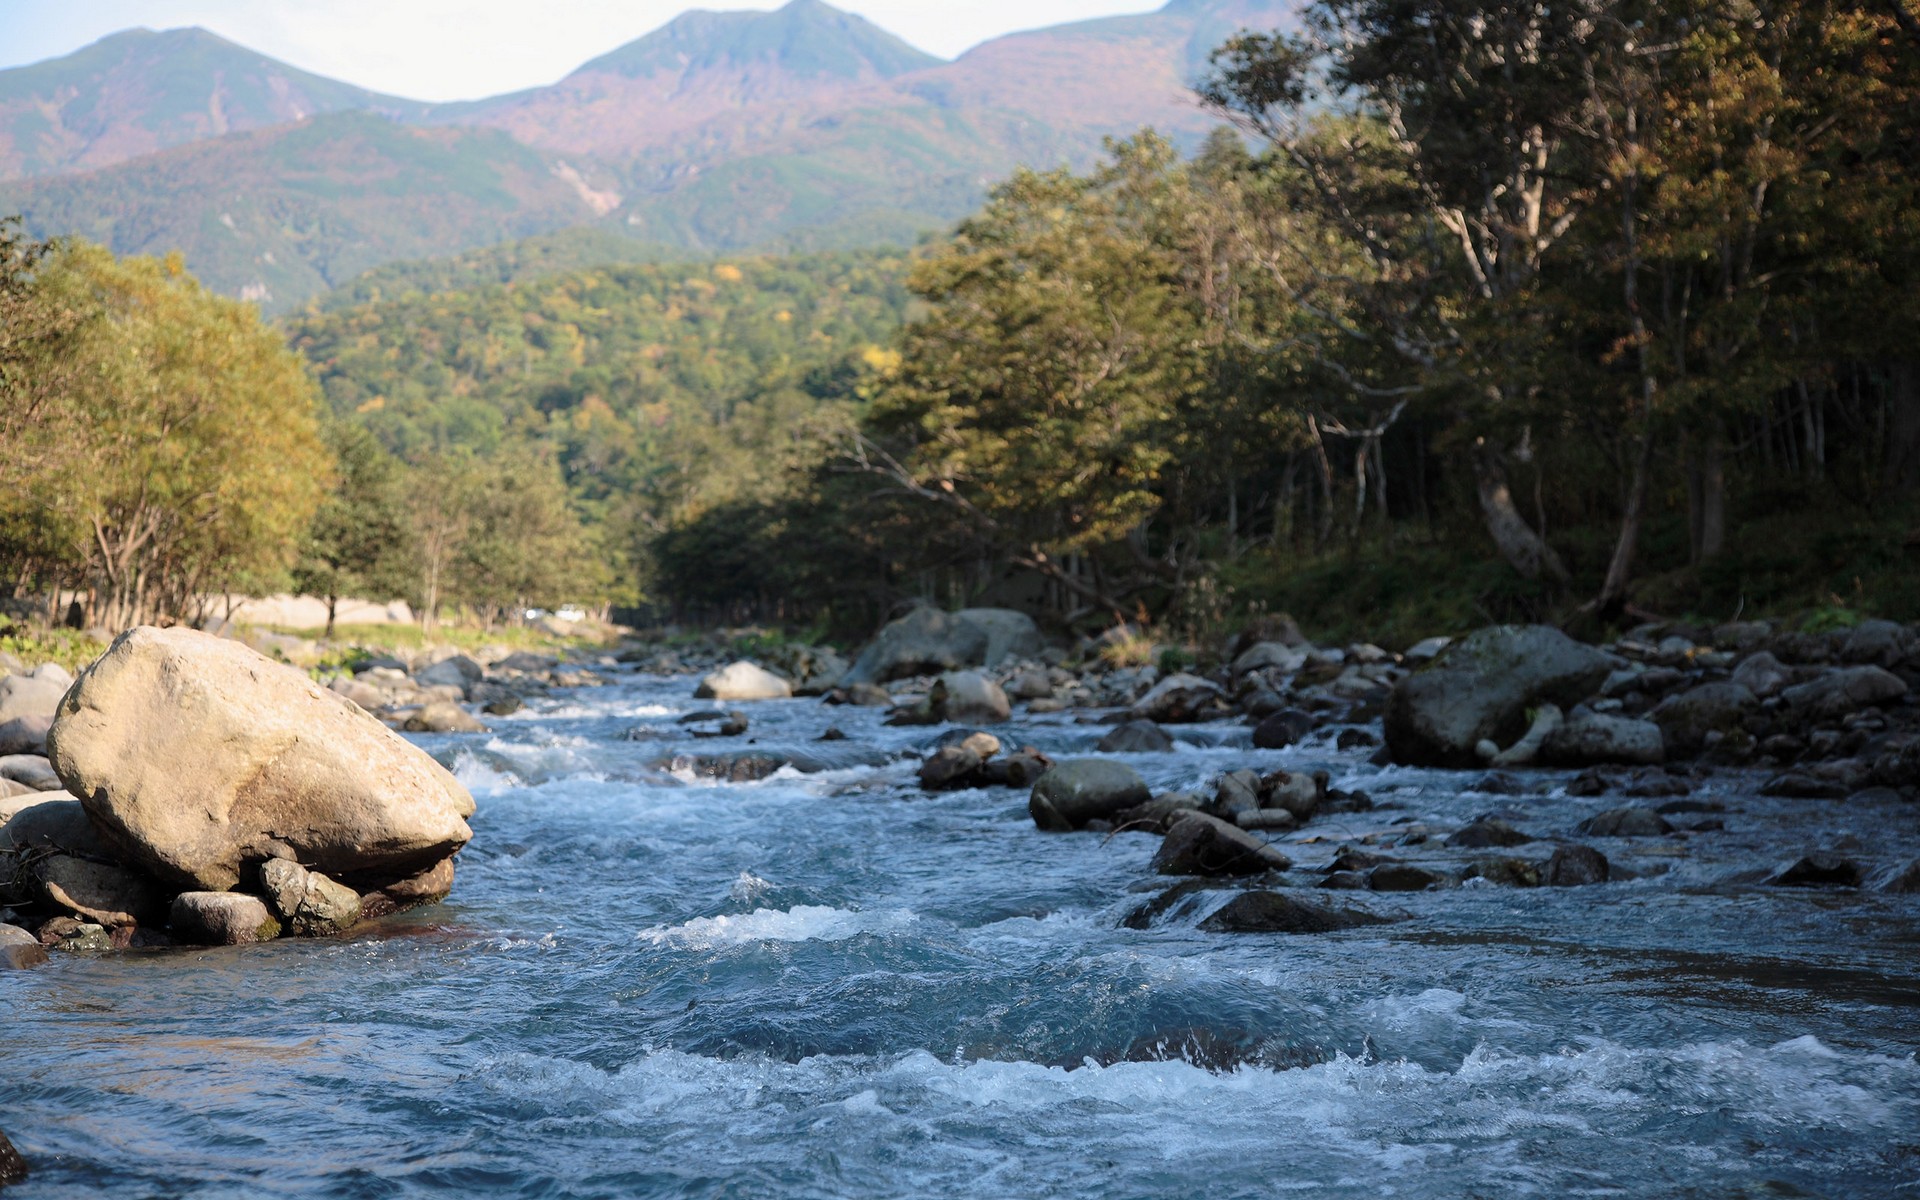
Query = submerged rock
x=1821 y=869
x=1576 y=866
x=1625 y=822
x=1480 y=688
x=1080 y=790
x=1487 y=833
x=1136 y=737
x=1272 y=912
x=194 y=755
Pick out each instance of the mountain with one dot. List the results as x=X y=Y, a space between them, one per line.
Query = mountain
x=803 y=128
x=139 y=91
x=280 y=214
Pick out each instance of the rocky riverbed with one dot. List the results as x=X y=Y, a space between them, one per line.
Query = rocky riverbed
x=717 y=944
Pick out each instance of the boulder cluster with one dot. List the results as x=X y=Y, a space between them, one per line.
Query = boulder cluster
x=186 y=788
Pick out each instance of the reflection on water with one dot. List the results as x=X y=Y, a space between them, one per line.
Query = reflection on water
x=824 y=983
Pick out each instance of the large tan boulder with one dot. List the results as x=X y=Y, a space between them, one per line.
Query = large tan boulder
x=197 y=757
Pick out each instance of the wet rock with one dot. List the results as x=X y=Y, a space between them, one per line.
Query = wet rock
x=1298 y=792
x=1506 y=872
x=1136 y=737
x=505 y=706
x=1197 y=844
x=833 y=734
x=1359 y=860
x=70 y=936
x=1235 y=793
x=1344 y=881
x=1487 y=833
x=1282 y=729
x=1158 y=814
x=743 y=680
x=443 y=716
x=18 y=951
x=424 y=887
x=1022 y=768
x=1179 y=898
x=950 y=767
x=25 y=735
x=1838 y=693
x=745 y=766
x=1821 y=869
x=1272 y=912
x=1576 y=866
x=1589 y=739
x=1498 y=783
x=1799 y=785
x=1907 y=882
x=1762 y=674
x=926 y=641
x=1688 y=720
x=51 y=850
x=1404 y=877
x=221 y=919
x=306 y=902
x=969 y=697
x=1355 y=739
x=1480 y=689
x=1179 y=699
x=1625 y=822
x=1084 y=789
x=1267 y=819
x=862 y=695
x=13 y=1168
x=194 y=755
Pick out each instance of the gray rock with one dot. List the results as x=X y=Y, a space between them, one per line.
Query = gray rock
x=1687 y=720
x=1030 y=685
x=456 y=671
x=444 y=716
x=1270 y=656
x=1011 y=634
x=1590 y=739
x=968 y=697
x=1282 y=729
x=1404 y=877
x=1481 y=687
x=306 y=902
x=1506 y=872
x=1762 y=674
x=221 y=919
x=924 y=642
x=1821 y=869
x=1136 y=737
x=1427 y=649
x=949 y=767
x=1084 y=789
x=1547 y=720
x=31 y=769
x=25 y=735
x=1876 y=642
x=1197 y=844
x=1236 y=792
x=1272 y=912
x=1576 y=866
x=1178 y=699
x=1158 y=814
x=1487 y=833
x=54 y=852
x=1625 y=822
x=1837 y=693
x=743 y=681
x=25 y=696
x=1298 y=792
x=194 y=755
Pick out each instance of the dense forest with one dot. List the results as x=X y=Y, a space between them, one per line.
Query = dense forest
x=1474 y=312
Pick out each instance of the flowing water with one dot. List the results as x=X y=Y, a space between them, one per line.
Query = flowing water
x=829 y=984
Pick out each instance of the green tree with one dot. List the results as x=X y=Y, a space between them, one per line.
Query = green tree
x=358 y=542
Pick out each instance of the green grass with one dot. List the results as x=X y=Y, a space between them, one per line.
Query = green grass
x=71 y=648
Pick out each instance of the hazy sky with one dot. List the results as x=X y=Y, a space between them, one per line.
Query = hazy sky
x=462 y=49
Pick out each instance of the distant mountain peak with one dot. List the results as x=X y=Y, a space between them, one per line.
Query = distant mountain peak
x=805 y=38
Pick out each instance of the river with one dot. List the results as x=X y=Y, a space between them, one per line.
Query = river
x=830 y=984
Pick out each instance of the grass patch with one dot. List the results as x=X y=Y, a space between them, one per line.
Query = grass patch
x=71 y=648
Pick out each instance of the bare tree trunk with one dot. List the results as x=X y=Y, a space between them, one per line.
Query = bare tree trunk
x=1902 y=464
x=1518 y=543
x=1713 y=494
x=1613 y=592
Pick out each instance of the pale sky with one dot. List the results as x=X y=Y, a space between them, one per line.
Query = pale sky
x=465 y=49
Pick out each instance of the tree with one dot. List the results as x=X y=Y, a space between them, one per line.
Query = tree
x=358 y=542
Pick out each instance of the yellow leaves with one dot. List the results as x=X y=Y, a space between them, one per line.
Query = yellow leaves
x=881 y=359
x=371 y=406
x=784 y=316
x=728 y=273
